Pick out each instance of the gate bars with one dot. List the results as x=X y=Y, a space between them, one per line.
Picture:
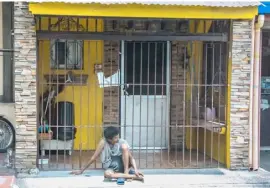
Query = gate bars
x=168 y=99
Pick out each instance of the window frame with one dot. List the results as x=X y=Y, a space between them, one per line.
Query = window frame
x=69 y=66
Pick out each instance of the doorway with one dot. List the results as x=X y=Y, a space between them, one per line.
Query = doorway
x=145 y=72
x=265 y=92
x=265 y=102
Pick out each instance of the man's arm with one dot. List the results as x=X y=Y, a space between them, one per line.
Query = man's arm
x=95 y=156
x=132 y=161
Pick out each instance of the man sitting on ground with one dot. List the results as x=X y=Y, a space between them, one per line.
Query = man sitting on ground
x=115 y=157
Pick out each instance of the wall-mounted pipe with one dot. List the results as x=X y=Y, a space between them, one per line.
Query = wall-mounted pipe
x=256 y=93
x=251 y=95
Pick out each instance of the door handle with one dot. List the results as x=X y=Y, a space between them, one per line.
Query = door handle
x=125 y=90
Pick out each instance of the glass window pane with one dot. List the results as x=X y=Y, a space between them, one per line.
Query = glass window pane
x=60 y=49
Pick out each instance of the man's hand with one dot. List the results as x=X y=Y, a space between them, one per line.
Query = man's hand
x=77 y=172
x=139 y=174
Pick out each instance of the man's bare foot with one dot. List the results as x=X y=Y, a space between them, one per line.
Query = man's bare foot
x=139 y=178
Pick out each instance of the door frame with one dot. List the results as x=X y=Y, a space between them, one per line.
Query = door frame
x=168 y=90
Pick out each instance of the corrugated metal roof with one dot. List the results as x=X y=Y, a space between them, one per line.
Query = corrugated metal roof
x=165 y=2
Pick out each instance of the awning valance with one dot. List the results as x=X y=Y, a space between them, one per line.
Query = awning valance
x=142 y=10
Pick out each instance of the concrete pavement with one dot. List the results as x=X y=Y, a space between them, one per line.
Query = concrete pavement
x=7 y=181
x=224 y=179
x=265 y=160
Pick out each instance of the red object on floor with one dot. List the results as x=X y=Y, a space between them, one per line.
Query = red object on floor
x=6 y=181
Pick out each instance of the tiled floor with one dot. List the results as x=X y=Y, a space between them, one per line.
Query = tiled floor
x=144 y=159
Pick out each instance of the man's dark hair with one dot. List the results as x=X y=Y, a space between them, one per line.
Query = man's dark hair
x=110 y=132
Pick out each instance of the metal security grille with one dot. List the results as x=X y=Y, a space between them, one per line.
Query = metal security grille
x=168 y=97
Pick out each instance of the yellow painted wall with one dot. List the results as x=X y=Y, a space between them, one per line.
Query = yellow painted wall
x=188 y=133
x=228 y=109
x=215 y=145
x=195 y=50
x=88 y=98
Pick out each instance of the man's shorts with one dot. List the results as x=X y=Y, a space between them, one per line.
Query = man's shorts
x=117 y=165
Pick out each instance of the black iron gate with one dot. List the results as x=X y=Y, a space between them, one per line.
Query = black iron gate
x=164 y=87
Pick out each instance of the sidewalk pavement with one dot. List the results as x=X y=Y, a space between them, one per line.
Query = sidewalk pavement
x=226 y=179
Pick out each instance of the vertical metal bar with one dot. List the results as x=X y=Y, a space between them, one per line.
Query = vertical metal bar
x=184 y=107
x=110 y=84
x=89 y=125
x=49 y=24
x=58 y=20
x=168 y=96
x=96 y=23
x=50 y=122
x=41 y=87
x=140 y=131
x=87 y=23
x=68 y=19
x=177 y=108
x=125 y=82
x=204 y=26
x=198 y=102
x=220 y=91
x=118 y=61
x=205 y=101
x=162 y=97
x=77 y=126
x=155 y=90
x=190 y=105
x=57 y=107
x=96 y=95
x=147 y=107
x=37 y=100
x=42 y=91
x=81 y=126
x=103 y=86
x=133 y=93
x=39 y=23
x=65 y=110
x=212 y=101
x=78 y=24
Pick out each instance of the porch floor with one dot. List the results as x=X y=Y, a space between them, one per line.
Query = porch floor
x=144 y=159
